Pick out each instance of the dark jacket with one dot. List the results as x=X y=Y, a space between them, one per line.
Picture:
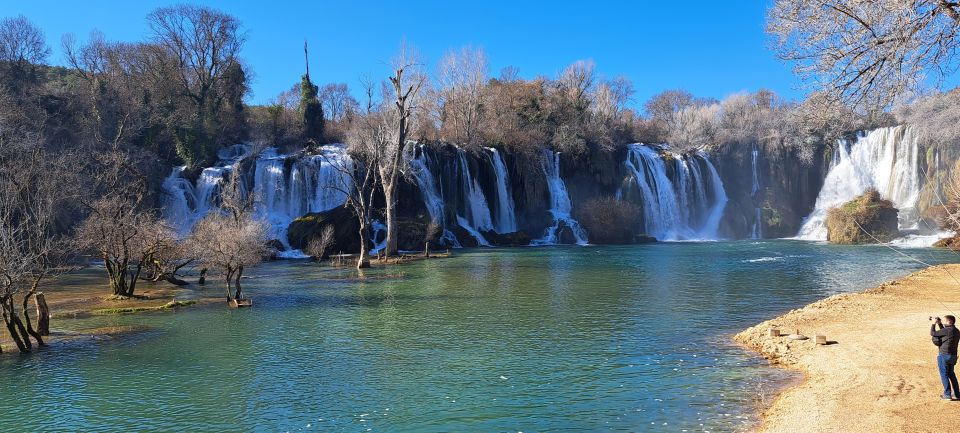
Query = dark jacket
x=950 y=336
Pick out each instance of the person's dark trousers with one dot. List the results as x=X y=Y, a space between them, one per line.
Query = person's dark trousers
x=946 y=363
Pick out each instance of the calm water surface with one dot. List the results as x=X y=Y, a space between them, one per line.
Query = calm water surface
x=530 y=339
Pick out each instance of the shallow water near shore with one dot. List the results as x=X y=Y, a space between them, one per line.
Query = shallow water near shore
x=525 y=339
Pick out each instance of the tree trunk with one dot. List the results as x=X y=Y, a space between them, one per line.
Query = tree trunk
x=43 y=314
x=26 y=317
x=390 y=211
x=364 y=260
x=119 y=283
x=426 y=249
x=14 y=326
x=134 y=276
x=239 y=294
x=229 y=278
x=172 y=279
x=203 y=277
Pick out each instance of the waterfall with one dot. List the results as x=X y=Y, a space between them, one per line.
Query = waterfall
x=474 y=215
x=419 y=163
x=378 y=236
x=689 y=206
x=560 y=206
x=284 y=188
x=756 y=232
x=506 y=218
x=185 y=203
x=886 y=159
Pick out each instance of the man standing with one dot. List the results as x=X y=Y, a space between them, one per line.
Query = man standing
x=947 y=338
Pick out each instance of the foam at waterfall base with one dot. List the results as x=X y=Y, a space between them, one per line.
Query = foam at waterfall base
x=885 y=159
x=919 y=240
x=292 y=254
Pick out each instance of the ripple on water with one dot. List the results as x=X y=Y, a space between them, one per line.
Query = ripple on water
x=628 y=338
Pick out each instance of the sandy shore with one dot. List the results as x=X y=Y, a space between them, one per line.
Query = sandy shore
x=880 y=375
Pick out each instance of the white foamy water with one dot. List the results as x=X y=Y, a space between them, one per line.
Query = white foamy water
x=685 y=208
x=885 y=159
x=560 y=206
x=283 y=187
x=505 y=218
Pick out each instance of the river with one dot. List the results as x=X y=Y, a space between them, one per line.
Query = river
x=523 y=339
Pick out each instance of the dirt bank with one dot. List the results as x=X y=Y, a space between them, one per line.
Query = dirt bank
x=878 y=374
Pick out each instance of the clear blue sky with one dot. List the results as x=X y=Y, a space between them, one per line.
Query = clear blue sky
x=709 y=48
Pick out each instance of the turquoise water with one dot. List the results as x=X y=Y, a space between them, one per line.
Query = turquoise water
x=633 y=338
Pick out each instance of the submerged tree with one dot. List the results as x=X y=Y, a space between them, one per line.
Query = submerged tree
x=867 y=53
x=118 y=228
x=30 y=247
x=367 y=139
x=231 y=240
x=406 y=82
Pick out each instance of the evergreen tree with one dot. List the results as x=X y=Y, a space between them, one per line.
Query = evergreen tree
x=310 y=108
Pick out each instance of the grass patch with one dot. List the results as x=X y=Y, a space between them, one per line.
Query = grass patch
x=129 y=310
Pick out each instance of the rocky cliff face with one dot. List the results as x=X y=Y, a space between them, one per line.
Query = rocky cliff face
x=771 y=190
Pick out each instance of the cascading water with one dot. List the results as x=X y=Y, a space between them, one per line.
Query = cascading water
x=689 y=207
x=560 y=206
x=886 y=159
x=284 y=188
x=505 y=218
x=474 y=215
x=756 y=232
x=312 y=183
x=419 y=163
x=184 y=203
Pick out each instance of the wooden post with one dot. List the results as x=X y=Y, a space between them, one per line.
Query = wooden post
x=821 y=339
x=774 y=332
x=426 y=249
x=43 y=314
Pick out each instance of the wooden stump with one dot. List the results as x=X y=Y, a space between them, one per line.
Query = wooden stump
x=774 y=332
x=43 y=315
x=239 y=303
x=821 y=339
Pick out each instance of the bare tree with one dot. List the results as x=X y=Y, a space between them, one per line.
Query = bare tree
x=319 y=245
x=936 y=117
x=230 y=240
x=406 y=82
x=118 y=228
x=577 y=81
x=30 y=248
x=867 y=53
x=204 y=45
x=22 y=43
x=463 y=76
x=337 y=101
x=694 y=128
x=368 y=138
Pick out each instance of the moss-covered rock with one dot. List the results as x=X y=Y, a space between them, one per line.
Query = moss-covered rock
x=867 y=219
x=952 y=243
